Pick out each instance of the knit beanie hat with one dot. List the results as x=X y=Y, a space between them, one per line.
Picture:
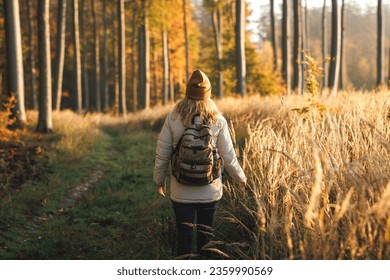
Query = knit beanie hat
x=198 y=87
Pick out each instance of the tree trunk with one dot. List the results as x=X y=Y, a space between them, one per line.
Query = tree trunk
x=381 y=43
x=304 y=46
x=170 y=73
x=297 y=81
x=273 y=36
x=306 y=26
x=186 y=40
x=324 y=46
x=115 y=46
x=286 y=52
x=165 y=65
x=105 y=61
x=147 y=63
x=171 y=87
x=217 y=20
x=96 y=55
x=122 y=56
x=144 y=63
x=60 y=55
x=84 y=70
x=240 y=46
x=45 y=123
x=388 y=79
x=342 y=53
x=335 y=48
x=15 y=63
x=155 y=81
x=134 y=92
x=77 y=58
x=31 y=56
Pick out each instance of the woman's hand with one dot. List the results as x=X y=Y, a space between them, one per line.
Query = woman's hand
x=161 y=190
x=242 y=185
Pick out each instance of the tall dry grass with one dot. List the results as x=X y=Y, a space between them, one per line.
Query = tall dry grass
x=318 y=184
x=74 y=134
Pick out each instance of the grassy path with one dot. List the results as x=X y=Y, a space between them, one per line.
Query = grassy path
x=118 y=216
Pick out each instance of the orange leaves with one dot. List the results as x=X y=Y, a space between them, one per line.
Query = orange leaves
x=9 y=105
x=20 y=150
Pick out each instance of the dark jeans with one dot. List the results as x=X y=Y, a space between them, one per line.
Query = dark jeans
x=185 y=221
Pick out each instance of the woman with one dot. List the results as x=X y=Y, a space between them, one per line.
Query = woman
x=195 y=201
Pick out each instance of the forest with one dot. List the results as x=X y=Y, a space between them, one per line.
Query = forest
x=85 y=86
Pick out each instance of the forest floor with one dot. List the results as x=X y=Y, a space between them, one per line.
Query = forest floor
x=99 y=204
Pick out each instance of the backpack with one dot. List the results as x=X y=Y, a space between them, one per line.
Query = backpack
x=194 y=161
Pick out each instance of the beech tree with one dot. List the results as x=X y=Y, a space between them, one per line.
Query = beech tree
x=14 y=63
x=115 y=47
x=45 y=122
x=240 y=46
x=105 y=60
x=342 y=47
x=286 y=52
x=134 y=91
x=298 y=47
x=77 y=57
x=217 y=21
x=324 y=45
x=165 y=59
x=144 y=60
x=380 y=44
x=273 y=35
x=31 y=48
x=186 y=40
x=60 y=55
x=96 y=55
x=84 y=69
x=122 y=56
x=335 y=47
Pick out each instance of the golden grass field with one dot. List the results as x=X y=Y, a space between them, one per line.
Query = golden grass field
x=318 y=183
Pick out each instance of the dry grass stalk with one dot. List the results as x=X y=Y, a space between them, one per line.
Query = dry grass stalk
x=329 y=172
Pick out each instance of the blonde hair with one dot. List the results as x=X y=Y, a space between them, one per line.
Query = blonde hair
x=187 y=108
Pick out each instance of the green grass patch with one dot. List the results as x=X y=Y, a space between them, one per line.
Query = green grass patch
x=120 y=217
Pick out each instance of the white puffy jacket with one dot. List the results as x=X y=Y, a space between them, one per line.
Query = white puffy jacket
x=169 y=136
